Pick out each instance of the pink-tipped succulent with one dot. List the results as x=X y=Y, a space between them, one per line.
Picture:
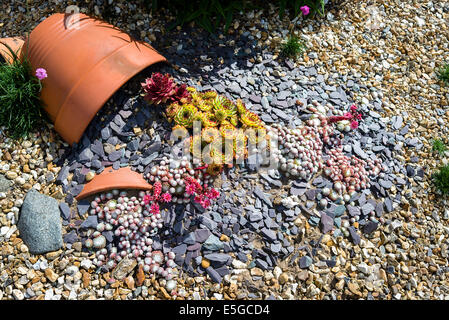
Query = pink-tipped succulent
x=353 y=116
x=159 y=88
x=166 y=197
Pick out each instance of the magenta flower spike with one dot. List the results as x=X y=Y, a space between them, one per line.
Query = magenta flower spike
x=305 y=10
x=41 y=73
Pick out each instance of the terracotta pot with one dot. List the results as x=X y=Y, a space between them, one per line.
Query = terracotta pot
x=14 y=43
x=87 y=60
x=109 y=179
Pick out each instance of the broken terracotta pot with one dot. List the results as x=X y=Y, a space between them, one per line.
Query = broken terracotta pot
x=15 y=44
x=87 y=60
x=109 y=179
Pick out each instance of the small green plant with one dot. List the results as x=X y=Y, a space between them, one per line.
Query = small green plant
x=292 y=47
x=297 y=7
x=441 y=179
x=438 y=146
x=20 y=107
x=443 y=73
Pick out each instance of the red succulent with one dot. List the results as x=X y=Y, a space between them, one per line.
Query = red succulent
x=159 y=88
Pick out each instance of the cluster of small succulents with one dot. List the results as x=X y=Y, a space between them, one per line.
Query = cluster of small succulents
x=133 y=223
x=226 y=125
x=349 y=174
x=181 y=181
x=300 y=153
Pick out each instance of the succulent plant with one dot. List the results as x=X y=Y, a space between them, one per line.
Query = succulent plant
x=185 y=115
x=182 y=95
x=159 y=88
x=214 y=169
x=250 y=119
x=241 y=108
x=210 y=134
x=172 y=110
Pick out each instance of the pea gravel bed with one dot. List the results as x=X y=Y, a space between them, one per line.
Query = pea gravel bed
x=402 y=256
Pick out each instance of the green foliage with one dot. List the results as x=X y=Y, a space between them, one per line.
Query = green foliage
x=210 y=14
x=293 y=47
x=443 y=73
x=20 y=108
x=441 y=179
x=438 y=146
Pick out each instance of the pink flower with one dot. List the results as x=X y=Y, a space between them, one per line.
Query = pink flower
x=205 y=203
x=353 y=107
x=166 y=197
x=199 y=199
x=190 y=188
x=348 y=115
x=213 y=194
x=146 y=199
x=154 y=209
x=305 y=10
x=359 y=116
x=354 y=124
x=41 y=73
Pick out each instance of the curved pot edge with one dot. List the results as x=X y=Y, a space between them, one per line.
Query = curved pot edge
x=109 y=179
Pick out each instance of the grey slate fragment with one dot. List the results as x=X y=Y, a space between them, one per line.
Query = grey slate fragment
x=39 y=223
x=85 y=155
x=261 y=195
x=326 y=223
x=269 y=234
x=305 y=262
x=83 y=206
x=370 y=227
x=218 y=258
x=354 y=235
x=90 y=222
x=65 y=211
x=213 y=243
x=353 y=211
x=213 y=275
x=201 y=235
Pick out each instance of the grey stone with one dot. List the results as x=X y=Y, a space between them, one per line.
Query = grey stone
x=105 y=133
x=213 y=243
x=261 y=195
x=5 y=184
x=269 y=234
x=201 y=235
x=367 y=208
x=305 y=262
x=39 y=223
x=353 y=211
x=326 y=223
x=83 y=206
x=385 y=183
x=85 y=155
x=370 y=227
x=214 y=275
x=354 y=235
x=62 y=175
x=90 y=222
x=65 y=211
x=219 y=259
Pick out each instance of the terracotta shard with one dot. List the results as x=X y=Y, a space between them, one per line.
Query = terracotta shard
x=87 y=60
x=109 y=179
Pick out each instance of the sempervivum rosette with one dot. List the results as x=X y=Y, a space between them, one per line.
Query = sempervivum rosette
x=159 y=88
